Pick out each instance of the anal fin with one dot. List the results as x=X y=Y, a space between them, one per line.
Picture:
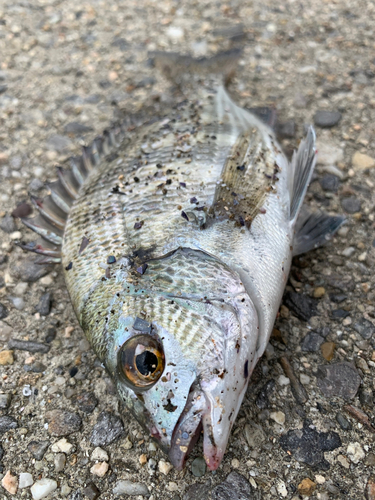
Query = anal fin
x=314 y=229
x=303 y=163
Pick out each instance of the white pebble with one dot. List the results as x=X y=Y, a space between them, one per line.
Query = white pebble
x=175 y=34
x=348 y=252
x=21 y=288
x=42 y=488
x=18 y=302
x=25 y=479
x=305 y=379
x=129 y=488
x=282 y=380
x=281 y=488
x=355 y=452
x=100 y=469
x=99 y=454
x=320 y=479
x=278 y=417
x=46 y=280
x=17 y=235
x=26 y=391
x=62 y=446
x=164 y=467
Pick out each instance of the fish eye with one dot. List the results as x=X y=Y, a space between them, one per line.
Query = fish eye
x=141 y=362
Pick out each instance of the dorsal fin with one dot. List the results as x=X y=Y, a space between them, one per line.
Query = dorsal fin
x=53 y=210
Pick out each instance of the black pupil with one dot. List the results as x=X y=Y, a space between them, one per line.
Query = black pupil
x=146 y=362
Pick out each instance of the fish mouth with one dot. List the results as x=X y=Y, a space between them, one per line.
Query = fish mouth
x=196 y=417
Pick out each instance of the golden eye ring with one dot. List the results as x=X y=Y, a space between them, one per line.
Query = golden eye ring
x=141 y=362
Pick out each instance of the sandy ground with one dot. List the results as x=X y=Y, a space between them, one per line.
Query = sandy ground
x=66 y=70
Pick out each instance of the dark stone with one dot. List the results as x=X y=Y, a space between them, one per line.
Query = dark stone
x=29 y=271
x=303 y=306
x=197 y=491
x=263 y=395
x=338 y=380
x=120 y=43
x=35 y=367
x=62 y=422
x=50 y=335
x=311 y=342
x=107 y=429
x=198 y=467
x=327 y=119
x=7 y=224
x=340 y=314
x=338 y=297
x=86 y=402
x=307 y=445
x=1 y=452
x=93 y=99
x=3 y=311
x=27 y=345
x=76 y=128
x=3 y=88
x=22 y=210
x=44 y=304
x=5 y=400
x=104 y=84
x=38 y=448
x=59 y=143
x=330 y=182
x=343 y=422
x=351 y=205
x=365 y=328
x=7 y=423
x=235 y=487
x=366 y=397
x=91 y=491
x=73 y=371
x=286 y=130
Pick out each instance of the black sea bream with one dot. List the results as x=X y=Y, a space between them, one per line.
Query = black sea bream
x=176 y=240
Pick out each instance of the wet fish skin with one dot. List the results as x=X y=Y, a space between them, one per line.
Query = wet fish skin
x=196 y=214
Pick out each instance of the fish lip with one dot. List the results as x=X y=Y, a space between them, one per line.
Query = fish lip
x=188 y=428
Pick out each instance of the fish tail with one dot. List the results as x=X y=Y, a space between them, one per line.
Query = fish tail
x=53 y=210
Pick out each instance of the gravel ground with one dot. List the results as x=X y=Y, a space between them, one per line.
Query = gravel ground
x=307 y=424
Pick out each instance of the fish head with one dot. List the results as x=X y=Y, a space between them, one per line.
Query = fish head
x=175 y=389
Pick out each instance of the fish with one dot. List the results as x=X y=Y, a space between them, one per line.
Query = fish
x=175 y=236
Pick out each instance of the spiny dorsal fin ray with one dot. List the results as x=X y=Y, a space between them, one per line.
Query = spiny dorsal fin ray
x=54 y=208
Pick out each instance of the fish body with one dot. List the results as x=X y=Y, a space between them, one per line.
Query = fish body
x=176 y=251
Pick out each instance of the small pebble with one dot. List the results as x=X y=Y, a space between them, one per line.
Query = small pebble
x=361 y=161
x=62 y=422
x=351 y=205
x=305 y=379
x=355 y=452
x=91 y=491
x=59 y=461
x=283 y=380
x=319 y=292
x=5 y=400
x=86 y=402
x=38 y=448
x=6 y=357
x=311 y=342
x=62 y=446
x=306 y=487
x=198 y=467
x=99 y=454
x=143 y=459
x=42 y=488
x=330 y=182
x=164 y=467
x=10 y=483
x=3 y=311
x=343 y=461
x=124 y=487
x=25 y=480
x=370 y=488
x=26 y=345
x=107 y=429
x=278 y=417
x=326 y=119
x=100 y=469
x=44 y=304
x=338 y=380
x=7 y=423
x=234 y=487
x=343 y=422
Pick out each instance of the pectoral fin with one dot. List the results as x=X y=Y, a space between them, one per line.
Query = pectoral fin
x=314 y=229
